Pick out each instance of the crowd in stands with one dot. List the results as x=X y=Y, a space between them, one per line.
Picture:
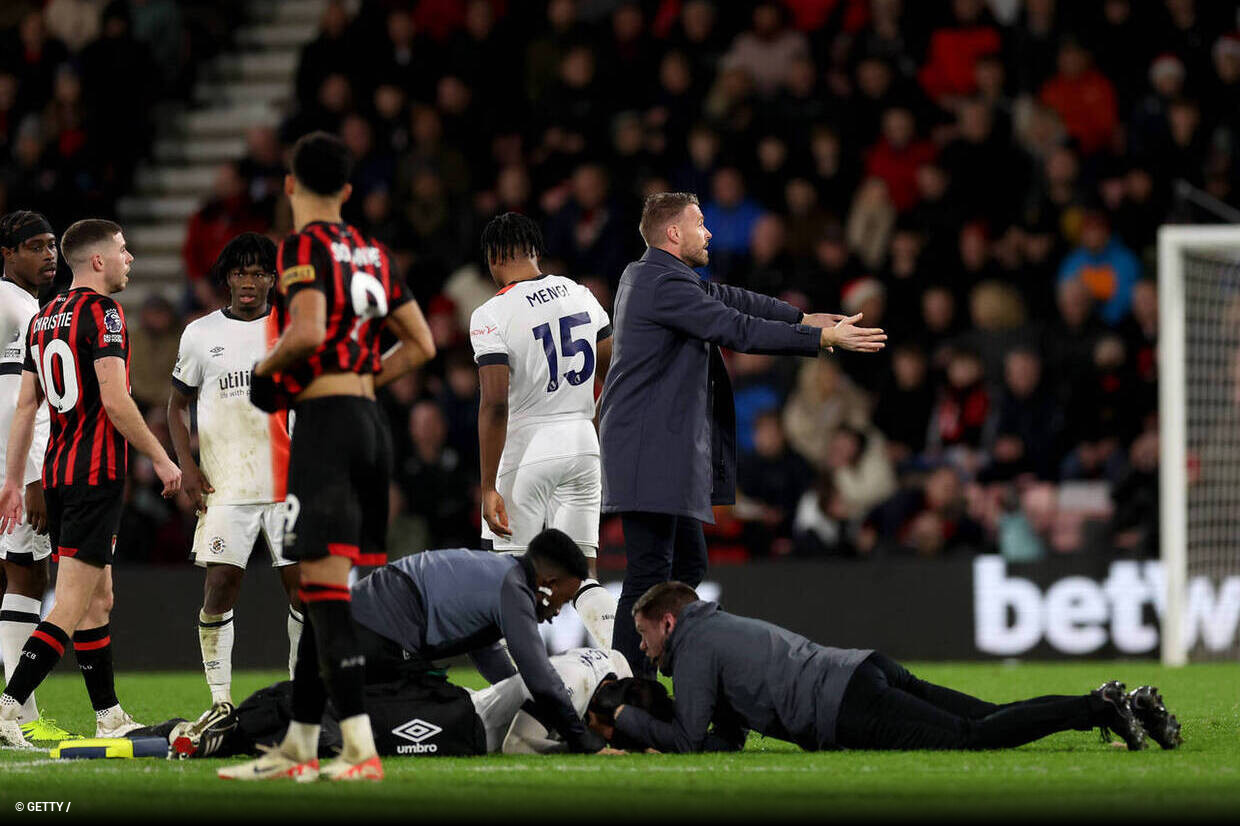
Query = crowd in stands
x=982 y=178
x=80 y=81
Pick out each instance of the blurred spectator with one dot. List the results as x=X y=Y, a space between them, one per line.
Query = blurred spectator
x=226 y=214
x=33 y=56
x=730 y=216
x=961 y=410
x=327 y=54
x=897 y=156
x=770 y=478
x=860 y=469
x=823 y=401
x=1105 y=266
x=928 y=520
x=74 y=22
x=905 y=404
x=757 y=388
x=436 y=483
x=1025 y=434
x=589 y=232
x=953 y=49
x=1083 y=97
x=153 y=344
x=768 y=49
x=821 y=525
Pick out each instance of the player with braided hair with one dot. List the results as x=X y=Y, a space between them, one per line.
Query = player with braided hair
x=29 y=248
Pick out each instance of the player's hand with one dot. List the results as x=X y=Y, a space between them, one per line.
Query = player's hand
x=610 y=750
x=10 y=507
x=196 y=486
x=36 y=507
x=170 y=475
x=846 y=335
x=494 y=512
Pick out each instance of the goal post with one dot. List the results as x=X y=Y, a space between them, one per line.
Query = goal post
x=1199 y=421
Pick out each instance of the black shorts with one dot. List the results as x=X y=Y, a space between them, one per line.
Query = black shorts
x=82 y=521
x=340 y=463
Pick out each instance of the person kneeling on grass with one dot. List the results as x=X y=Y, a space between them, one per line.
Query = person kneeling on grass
x=732 y=674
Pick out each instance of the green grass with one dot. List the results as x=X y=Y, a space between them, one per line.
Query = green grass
x=1068 y=775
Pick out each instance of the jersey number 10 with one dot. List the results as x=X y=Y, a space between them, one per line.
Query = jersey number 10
x=569 y=347
x=61 y=399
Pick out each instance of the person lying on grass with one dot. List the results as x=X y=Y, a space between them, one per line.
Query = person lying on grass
x=733 y=674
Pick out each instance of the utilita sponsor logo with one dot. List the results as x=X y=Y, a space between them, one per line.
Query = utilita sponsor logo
x=1077 y=614
x=416 y=731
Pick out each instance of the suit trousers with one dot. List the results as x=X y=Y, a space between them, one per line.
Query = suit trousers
x=657 y=547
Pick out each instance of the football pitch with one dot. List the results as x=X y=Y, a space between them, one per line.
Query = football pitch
x=1069 y=775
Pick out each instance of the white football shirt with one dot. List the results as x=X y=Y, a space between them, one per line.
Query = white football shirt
x=582 y=669
x=17 y=307
x=243 y=451
x=546 y=330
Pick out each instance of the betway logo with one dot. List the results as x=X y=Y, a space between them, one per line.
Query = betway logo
x=1077 y=614
x=416 y=731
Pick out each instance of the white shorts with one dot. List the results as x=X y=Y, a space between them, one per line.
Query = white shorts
x=24 y=546
x=563 y=493
x=225 y=534
x=497 y=705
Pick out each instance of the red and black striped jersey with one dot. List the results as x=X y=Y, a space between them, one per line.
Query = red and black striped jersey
x=62 y=344
x=355 y=273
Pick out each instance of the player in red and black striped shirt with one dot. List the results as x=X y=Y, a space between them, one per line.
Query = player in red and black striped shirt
x=77 y=357
x=338 y=291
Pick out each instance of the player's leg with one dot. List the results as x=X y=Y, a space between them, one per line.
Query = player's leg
x=223 y=540
x=649 y=539
x=92 y=645
x=689 y=555
x=76 y=583
x=25 y=585
x=290 y=576
x=574 y=509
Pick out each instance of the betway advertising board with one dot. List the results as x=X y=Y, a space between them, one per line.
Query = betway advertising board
x=933 y=609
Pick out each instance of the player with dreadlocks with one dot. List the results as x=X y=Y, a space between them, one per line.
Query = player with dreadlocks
x=238 y=490
x=541 y=344
x=29 y=247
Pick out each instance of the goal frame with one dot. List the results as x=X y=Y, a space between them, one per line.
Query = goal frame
x=1173 y=240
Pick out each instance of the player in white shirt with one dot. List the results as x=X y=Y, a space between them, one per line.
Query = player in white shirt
x=540 y=345
x=238 y=492
x=29 y=247
x=515 y=731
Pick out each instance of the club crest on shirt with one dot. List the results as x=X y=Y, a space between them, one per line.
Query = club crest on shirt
x=112 y=321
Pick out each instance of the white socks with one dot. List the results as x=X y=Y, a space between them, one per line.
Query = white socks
x=19 y=616
x=215 y=636
x=296 y=622
x=597 y=609
x=9 y=708
x=359 y=740
x=301 y=742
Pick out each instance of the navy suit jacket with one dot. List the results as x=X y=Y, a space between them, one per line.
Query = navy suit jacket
x=667 y=429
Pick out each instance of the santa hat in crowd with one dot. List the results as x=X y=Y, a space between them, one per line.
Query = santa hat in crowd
x=858 y=291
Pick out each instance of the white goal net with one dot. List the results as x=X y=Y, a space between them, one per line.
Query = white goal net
x=1199 y=420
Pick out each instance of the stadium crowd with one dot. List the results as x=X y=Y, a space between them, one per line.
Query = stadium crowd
x=984 y=179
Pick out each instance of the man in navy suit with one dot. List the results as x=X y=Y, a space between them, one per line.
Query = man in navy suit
x=668 y=427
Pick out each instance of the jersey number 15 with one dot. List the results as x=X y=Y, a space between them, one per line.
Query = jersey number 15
x=569 y=347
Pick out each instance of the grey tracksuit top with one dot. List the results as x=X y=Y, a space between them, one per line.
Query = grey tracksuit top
x=741 y=674
x=440 y=604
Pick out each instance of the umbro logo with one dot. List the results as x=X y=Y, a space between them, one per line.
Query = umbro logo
x=416 y=731
x=217 y=351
